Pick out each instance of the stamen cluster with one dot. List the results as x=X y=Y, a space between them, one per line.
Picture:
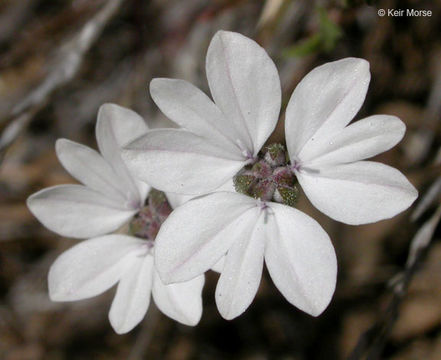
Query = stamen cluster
x=147 y=222
x=270 y=178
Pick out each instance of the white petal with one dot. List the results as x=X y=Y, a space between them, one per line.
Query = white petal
x=360 y=140
x=242 y=271
x=132 y=297
x=90 y=168
x=91 y=267
x=219 y=266
x=300 y=259
x=143 y=189
x=77 y=211
x=191 y=109
x=228 y=186
x=245 y=85
x=126 y=124
x=109 y=133
x=181 y=301
x=358 y=193
x=178 y=161
x=197 y=234
x=325 y=101
x=176 y=200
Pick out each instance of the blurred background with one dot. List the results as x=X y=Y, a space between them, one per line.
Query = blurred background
x=60 y=60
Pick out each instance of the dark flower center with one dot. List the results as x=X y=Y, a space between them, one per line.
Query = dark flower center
x=147 y=222
x=269 y=178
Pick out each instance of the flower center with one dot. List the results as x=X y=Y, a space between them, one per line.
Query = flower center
x=269 y=178
x=147 y=222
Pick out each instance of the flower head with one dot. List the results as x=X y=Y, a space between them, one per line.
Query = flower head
x=328 y=155
x=110 y=195
x=246 y=231
x=109 y=198
x=221 y=140
x=94 y=266
x=218 y=138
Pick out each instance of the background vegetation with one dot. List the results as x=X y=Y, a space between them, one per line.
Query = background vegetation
x=60 y=60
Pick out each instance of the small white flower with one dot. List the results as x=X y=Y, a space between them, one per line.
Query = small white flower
x=109 y=198
x=110 y=195
x=94 y=266
x=297 y=251
x=218 y=138
x=221 y=137
x=327 y=154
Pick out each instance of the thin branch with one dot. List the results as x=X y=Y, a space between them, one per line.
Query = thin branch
x=371 y=343
x=427 y=200
x=68 y=60
x=144 y=339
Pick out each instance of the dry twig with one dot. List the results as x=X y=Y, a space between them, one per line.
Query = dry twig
x=68 y=60
x=371 y=343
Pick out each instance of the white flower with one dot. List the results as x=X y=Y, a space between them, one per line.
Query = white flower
x=218 y=138
x=328 y=156
x=109 y=198
x=94 y=266
x=221 y=137
x=297 y=251
x=110 y=195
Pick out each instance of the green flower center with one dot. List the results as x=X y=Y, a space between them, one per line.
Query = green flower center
x=269 y=178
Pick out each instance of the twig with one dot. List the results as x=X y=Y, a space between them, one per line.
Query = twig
x=427 y=200
x=142 y=342
x=13 y=17
x=68 y=60
x=371 y=343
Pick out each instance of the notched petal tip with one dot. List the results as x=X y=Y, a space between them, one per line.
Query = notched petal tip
x=221 y=33
x=33 y=202
x=181 y=302
x=156 y=82
x=317 y=308
x=57 y=289
x=398 y=125
x=59 y=293
x=229 y=36
x=339 y=89
x=413 y=194
x=301 y=260
x=104 y=111
x=359 y=64
x=61 y=144
x=56 y=294
x=155 y=86
x=30 y=201
x=166 y=277
x=170 y=276
x=121 y=327
x=108 y=107
x=190 y=319
x=229 y=315
x=383 y=190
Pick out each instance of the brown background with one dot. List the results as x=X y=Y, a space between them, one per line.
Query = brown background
x=53 y=78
